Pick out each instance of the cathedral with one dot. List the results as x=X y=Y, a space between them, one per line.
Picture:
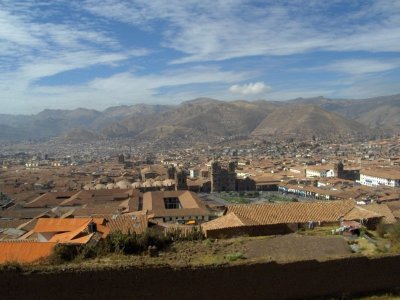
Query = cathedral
x=223 y=179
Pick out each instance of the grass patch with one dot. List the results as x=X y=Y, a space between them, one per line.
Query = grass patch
x=235 y=256
x=280 y=198
x=318 y=231
x=236 y=200
x=209 y=259
x=12 y=266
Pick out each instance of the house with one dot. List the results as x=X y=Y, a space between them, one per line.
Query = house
x=47 y=233
x=320 y=171
x=89 y=202
x=282 y=218
x=380 y=176
x=267 y=182
x=175 y=206
x=68 y=231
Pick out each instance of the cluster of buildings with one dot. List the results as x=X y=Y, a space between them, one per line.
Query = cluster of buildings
x=86 y=217
x=87 y=197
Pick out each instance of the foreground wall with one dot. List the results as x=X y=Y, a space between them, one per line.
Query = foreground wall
x=341 y=277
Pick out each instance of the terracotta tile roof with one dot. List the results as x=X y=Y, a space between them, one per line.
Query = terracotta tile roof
x=80 y=240
x=11 y=223
x=11 y=233
x=23 y=213
x=396 y=214
x=28 y=225
x=71 y=230
x=136 y=222
x=267 y=178
x=59 y=225
x=359 y=213
x=388 y=173
x=73 y=237
x=98 y=210
x=394 y=207
x=294 y=212
x=325 y=167
x=180 y=212
x=64 y=225
x=383 y=210
x=100 y=196
x=228 y=220
x=153 y=202
x=24 y=252
x=49 y=199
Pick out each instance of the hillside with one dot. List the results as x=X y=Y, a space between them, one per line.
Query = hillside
x=378 y=112
x=306 y=120
x=200 y=117
x=79 y=135
x=205 y=118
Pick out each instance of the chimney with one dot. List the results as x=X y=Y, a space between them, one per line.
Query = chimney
x=92 y=227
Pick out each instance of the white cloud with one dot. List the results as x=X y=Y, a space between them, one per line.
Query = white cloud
x=36 y=44
x=212 y=30
x=250 y=88
x=121 y=88
x=32 y=49
x=362 y=66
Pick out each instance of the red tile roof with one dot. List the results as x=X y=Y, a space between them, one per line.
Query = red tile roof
x=24 y=252
x=229 y=220
x=294 y=212
x=132 y=223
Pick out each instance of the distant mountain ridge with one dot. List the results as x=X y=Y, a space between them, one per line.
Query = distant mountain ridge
x=378 y=112
x=205 y=117
x=307 y=119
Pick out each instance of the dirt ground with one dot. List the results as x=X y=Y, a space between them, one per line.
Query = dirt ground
x=297 y=247
x=290 y=247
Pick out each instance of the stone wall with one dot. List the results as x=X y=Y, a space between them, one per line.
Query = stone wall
x=297 y=280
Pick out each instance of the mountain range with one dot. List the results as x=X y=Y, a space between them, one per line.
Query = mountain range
x=203 y=118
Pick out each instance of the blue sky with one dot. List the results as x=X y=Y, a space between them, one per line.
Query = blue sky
x=97 y=54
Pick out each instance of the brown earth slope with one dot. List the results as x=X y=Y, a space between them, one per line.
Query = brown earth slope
x=306 y=120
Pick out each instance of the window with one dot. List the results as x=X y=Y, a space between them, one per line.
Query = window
x=172 y=203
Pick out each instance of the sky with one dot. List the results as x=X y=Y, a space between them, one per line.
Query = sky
x=65 y=54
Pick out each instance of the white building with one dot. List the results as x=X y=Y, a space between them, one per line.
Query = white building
x=320 y=171
x=380 y=176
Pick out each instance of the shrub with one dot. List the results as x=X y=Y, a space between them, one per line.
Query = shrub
x=89 y=251
x=381 y=229
x=395 y=232
x=64 y=253
x=119 y=242
x=131 y=245
x=152 y=237
x=195 y=235
x=115 y=242
x=13 y=266
x=179 y=235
